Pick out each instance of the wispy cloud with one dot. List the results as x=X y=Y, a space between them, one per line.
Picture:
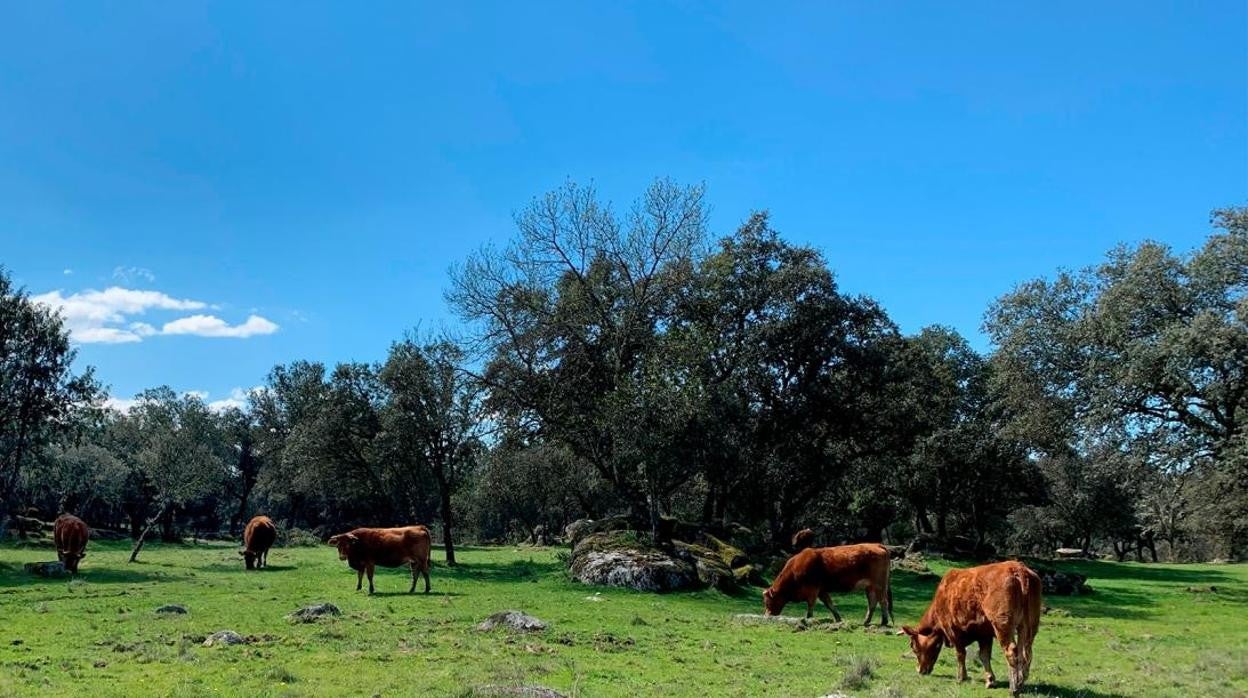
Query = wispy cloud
x=105 y=317
x=238 y=399
x=133 y=275
x=67 y=271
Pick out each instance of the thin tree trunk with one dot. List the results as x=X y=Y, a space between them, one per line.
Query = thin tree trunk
x=138 y=544
x=444 y=492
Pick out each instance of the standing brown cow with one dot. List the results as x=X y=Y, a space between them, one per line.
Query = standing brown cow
x=1000 y=600
x=814 y=573
x=364 y=548
x=258 y=537
x=70 y=535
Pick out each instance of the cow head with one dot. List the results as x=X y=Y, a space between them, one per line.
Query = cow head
x=926 y=644
x=344 y=542
x=249 y=558
x=773 y=604
x=70 y=559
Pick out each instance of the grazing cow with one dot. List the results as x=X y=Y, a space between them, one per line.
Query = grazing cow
x=803 y=539
x=70 y=535
x=364 y=548
x=258 y=537
x=814 y=573
x=1000 y=600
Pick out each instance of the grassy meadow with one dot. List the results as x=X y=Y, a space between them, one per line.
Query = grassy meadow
x=1143 y=633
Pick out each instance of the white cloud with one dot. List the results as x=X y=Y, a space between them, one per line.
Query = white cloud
x=237 y=399
x=131 y=275
x=103 y=317
x=213 y=326
x=120 y=404
x=68 y=272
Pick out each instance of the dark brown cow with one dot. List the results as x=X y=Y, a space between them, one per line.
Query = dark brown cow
x=1000 y=600
x=364 y=548
x=258 y=537
x=814 y=573
x=70 y=535
x=803 y=539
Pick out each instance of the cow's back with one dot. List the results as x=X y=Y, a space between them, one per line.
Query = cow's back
x=391 y=547
x=260 y=534
x=845 y=568
x=69 y=534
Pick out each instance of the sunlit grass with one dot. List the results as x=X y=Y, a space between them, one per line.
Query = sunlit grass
x=1141 y=634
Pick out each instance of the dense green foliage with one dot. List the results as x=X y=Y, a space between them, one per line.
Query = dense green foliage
x=1141 y=634
x=630 y=363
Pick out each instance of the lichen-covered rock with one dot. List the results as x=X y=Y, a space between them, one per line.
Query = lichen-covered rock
x=911 y=563
x=45 y=569
x=621 y=559
x=224 y=637
x=1062 y=583
x=749 y=575
x=512 y=620
x=516 y=691
x=311 y=614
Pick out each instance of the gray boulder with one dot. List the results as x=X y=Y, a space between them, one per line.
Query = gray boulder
x=517 y=692
x=172 y=608
x=620 y=559
x=45 y=569
x=224 y=637
x=512 y=620
x=311 y=614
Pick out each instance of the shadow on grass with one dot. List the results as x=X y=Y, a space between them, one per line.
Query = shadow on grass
x=1048 y=689
x=15 y=576
x=1142 y=572
x=238 y=567
x=514 y=570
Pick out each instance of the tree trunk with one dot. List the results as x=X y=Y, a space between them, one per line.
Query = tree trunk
x=167 y=532
x=138 y=544
x=444 y=495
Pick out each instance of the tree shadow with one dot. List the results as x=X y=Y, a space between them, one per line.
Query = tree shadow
x=15 y=576
x=512 y=570
x=1142 y=572
x=1048 y=689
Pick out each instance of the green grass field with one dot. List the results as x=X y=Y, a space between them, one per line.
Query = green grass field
x=1141 y=634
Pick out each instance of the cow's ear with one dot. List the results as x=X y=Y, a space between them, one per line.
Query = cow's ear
x=333 y=540
x=907 y=630
x=352 y=537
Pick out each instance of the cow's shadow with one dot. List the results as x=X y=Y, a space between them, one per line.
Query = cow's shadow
x=417 y=594
x=1048 y=689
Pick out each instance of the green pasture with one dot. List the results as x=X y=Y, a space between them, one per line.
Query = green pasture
x=1148 y=630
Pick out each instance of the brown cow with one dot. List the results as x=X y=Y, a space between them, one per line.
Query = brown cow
x=70 y=535
x=364 y=548
x=258 y=537
x=803 y=539
x=816 y=572
x=1000 y=600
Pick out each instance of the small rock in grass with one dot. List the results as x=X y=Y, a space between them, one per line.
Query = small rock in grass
x=45 y=569
x=224 y=637
x=16 y=642
x=512 y=620
x=172 y=608
x=519 y=691
x=310 y=614
x=797 y=622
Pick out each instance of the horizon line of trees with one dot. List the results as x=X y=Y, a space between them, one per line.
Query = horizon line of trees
x=629 y=363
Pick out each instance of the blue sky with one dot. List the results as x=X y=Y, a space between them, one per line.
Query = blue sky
x=262 y=182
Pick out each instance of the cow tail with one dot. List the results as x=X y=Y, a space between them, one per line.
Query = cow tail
x=1032 y=604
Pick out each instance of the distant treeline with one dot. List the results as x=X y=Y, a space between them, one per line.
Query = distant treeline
x=629 y=363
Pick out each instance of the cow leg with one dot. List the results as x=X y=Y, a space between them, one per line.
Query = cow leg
x=826 y=598
x=872 y=599
x=985 y=659
x=961 y=661
x=1006 y=637
x=425 y=573
x=369 y=569
x=359 y=579
x=415 y=571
